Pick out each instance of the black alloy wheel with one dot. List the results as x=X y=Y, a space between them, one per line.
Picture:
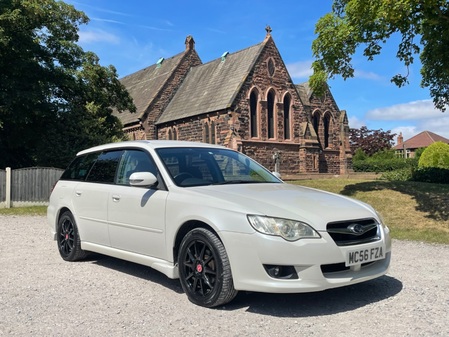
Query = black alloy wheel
x=204 y=269
x=69 y=242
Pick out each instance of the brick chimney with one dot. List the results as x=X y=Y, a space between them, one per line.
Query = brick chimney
x=190 y=43
x=400 y=138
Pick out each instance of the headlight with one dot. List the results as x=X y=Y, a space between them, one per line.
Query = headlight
x=380 y=217
x=290 y=230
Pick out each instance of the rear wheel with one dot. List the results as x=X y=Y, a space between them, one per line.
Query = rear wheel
x=69 y=242
x=204 y=269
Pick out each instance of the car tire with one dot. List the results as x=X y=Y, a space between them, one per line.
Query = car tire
x=69 y=242
x=204 y=269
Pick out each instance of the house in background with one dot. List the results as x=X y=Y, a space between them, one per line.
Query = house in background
x=245 y=101
x=408 y=148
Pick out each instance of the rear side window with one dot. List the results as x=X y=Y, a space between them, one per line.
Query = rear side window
x=80 y=167
x=105 y=167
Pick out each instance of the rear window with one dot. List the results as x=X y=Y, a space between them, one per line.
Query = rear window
x=80 y=167
x=105 y=167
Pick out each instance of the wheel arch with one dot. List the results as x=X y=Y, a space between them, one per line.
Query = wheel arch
x=59 y=213
x=187 y=227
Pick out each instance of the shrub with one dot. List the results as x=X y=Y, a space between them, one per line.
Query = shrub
x=403 y=174
x=359 y=155
x=436 y=156
x=431 y=175
x=378 y=165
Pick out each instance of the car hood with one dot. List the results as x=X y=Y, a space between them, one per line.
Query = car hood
x=287 y=201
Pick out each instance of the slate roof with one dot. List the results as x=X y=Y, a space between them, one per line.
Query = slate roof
x=304 y=92
x=422 y=139
x=211 y=86
x=144 y=85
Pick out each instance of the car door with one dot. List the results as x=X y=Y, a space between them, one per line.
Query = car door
x=91 y=196
x=136 y=215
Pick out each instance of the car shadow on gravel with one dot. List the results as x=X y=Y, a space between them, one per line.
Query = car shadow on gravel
x=322 y=303
x=135 y=270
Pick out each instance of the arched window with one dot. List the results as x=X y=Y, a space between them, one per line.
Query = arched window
x=287 y=126
x=169 y=134
x=253 y=99
x=326 y=122
x=206 y=137
x=212 y=132
x=270 y=114
x=175 y=134
x=316 y=123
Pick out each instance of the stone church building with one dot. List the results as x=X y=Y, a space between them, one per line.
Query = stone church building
x=245 y=101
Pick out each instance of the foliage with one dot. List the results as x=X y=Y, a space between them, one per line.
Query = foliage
x=55 y=98
x=370 y=141
x=435 y=155
x=422 y=25
x=402 y=174
x=434 y=175
x=384 y=161
x=359 y=155
x=418 y=152
x=381 y=165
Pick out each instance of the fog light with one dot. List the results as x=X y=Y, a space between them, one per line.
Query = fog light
x=281 y=272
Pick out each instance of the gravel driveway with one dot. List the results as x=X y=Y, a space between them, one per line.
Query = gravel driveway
x=41 y=295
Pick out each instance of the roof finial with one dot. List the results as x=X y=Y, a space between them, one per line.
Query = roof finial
x=268 y=29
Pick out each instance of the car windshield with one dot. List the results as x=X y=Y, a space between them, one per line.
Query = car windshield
x=210 y=166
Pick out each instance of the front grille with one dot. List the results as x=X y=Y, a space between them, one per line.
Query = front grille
x=354 y=232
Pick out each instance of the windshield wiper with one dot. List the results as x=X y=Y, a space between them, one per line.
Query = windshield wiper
x=230 y=182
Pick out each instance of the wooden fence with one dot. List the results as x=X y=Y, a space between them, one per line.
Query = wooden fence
x=27 y=186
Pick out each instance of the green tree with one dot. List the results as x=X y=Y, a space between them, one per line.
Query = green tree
x=55 y=98
x=422 y=24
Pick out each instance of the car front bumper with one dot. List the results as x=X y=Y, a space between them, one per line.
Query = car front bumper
x=310 y=258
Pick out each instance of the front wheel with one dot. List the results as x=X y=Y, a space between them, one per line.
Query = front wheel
x=69 y=242
x=204 y=269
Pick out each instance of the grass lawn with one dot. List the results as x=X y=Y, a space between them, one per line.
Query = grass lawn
x=29 y=210
x=412 y=210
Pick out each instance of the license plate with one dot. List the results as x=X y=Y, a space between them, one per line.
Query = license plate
x=358 y=256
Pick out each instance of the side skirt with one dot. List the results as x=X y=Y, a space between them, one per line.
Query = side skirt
x=165 y=267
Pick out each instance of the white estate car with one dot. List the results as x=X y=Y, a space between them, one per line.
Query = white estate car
x=215 y=219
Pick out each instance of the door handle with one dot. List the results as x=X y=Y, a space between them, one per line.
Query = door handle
x=115 y=198
x=78 y=193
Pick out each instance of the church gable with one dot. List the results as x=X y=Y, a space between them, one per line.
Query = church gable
x=268 y=104
x=153 y=87
x=211 y=87
x=144 y=85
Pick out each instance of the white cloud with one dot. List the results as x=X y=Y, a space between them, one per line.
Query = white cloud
x=407 y=132
x=415 y=110
x=90 y=36
x=108 y=21
x=301 y=69
x=439 y=126
x=367 y=75
x=355 y=122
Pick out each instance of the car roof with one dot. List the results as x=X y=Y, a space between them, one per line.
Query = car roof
x=153 y=144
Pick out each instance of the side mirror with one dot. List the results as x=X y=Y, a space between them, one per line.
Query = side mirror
x=142 y=179
x=276 y=174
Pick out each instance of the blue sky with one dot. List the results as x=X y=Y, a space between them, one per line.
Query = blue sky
x=134 y=34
